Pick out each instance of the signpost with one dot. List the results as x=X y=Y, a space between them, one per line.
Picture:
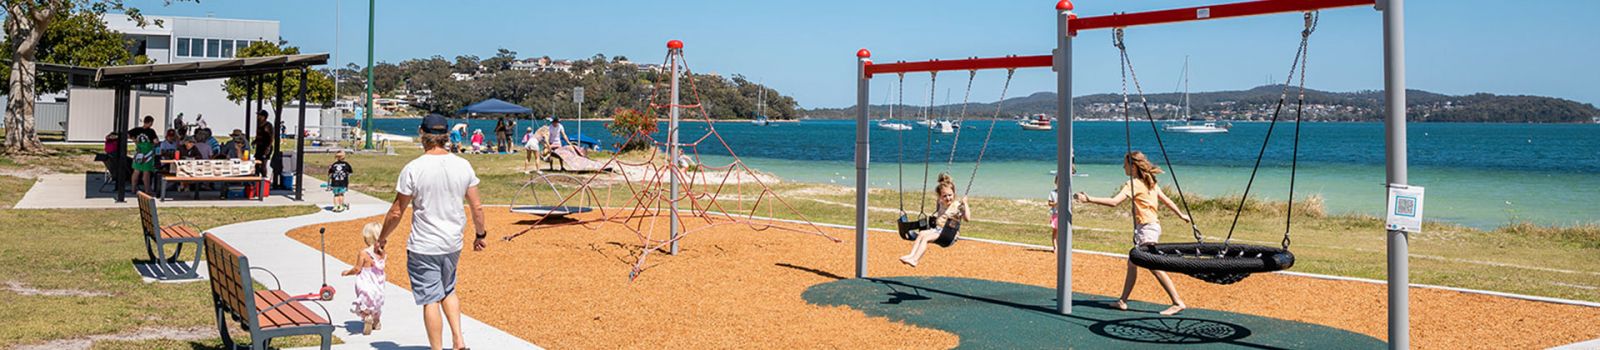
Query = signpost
x=577 y=97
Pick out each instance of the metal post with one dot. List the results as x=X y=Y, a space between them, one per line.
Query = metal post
x=276 y=155
x=1394 y=86
x=119 y=155
x=253 y=95
x=863 y=152
x=674 y=51
x=1063 y=68
x=372 y=17
x=300 y=141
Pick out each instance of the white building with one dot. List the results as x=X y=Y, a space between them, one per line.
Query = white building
x=188 y=39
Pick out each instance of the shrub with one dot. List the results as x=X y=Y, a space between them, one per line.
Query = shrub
x=633 y=126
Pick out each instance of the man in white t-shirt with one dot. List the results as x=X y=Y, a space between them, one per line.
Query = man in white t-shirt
x=433 y=185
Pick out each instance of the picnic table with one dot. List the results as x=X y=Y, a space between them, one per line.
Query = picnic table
x=222 y=171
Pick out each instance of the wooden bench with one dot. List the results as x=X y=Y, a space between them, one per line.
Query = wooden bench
x=158 y=236
x=265 y=314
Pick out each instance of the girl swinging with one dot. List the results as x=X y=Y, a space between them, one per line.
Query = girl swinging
x=946 y=221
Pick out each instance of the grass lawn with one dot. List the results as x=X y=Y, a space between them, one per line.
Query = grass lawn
x=1525 y=259
x=67 y=274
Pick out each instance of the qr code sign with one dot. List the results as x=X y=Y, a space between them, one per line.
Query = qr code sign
x=1405 y=206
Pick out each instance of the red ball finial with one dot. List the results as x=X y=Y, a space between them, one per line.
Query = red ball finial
x=674 y=44
x=1072 y=16
x=863 y=53
x=1064 y=5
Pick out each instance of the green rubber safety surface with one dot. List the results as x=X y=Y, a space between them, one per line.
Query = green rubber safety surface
x=1001 y=315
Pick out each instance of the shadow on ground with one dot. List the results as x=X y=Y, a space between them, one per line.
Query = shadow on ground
x=1000 y=315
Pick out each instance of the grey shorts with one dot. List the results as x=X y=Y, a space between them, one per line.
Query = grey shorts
x=433 y=277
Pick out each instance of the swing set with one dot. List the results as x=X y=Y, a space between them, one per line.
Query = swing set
x=1221 y=262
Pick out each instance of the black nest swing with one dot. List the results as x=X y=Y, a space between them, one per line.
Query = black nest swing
x=1220 y=262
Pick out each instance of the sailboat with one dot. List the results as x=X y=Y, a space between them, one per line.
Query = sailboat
x=1193 y=125
x=761 y=113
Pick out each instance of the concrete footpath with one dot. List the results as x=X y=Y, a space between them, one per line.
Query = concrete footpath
x=268 y=246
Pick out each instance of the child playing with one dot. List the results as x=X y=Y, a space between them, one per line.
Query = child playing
x=369 y=281
x=950 y=212
x=1141 y=187
x=339 y=181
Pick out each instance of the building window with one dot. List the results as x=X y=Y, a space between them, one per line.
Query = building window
x=227 y=48
x=213 y=48
x=197 y=47
x=183 y=47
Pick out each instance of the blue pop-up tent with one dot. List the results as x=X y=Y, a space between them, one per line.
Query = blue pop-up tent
x=494 y=106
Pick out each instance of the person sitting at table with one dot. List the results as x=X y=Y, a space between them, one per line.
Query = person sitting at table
x=205 y=144
x=188 y=149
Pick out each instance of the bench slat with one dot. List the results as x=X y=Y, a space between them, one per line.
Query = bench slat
x=225 y=276
x=178 y=231
x=290 y=314
x=270 y=318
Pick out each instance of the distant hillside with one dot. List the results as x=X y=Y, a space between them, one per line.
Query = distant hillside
x=1258 y=104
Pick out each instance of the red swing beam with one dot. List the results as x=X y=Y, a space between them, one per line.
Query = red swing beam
x=1075 y=24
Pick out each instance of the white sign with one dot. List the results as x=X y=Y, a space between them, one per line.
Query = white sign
x=577 y=94
x=1405 y=208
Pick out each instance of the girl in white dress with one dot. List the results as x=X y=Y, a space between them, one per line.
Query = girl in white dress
x=369 y=281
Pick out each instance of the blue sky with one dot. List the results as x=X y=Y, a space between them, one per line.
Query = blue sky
x=806 y=48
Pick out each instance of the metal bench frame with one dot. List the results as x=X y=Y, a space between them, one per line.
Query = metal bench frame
x=155 y=244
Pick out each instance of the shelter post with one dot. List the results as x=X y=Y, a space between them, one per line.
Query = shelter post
x=1064 y=160
x=276 y=156
x=249 y=111
x=1394 y=86
x=863 y=152
x=119 y=157
x=300 y=142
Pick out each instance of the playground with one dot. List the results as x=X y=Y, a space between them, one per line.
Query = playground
x=568 y=287
x=660 y=248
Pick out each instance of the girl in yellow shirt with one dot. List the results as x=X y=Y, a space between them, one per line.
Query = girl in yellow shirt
x=1142 y=188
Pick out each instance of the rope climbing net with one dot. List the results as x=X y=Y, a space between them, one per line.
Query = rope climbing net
x=648 y=196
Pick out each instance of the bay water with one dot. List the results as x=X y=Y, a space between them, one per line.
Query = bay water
x=1479 y=175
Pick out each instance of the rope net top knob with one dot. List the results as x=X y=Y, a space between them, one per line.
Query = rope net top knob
x=1064 y=5
x=674 y=44
x=863 y=53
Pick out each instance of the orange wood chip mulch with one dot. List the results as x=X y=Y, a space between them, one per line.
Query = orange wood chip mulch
x=734 y=287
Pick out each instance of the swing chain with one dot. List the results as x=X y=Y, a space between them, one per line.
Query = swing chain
x=998 y=108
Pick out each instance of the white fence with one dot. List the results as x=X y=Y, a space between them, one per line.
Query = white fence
x=47 y=116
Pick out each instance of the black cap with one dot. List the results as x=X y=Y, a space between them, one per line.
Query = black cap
x=435 y=124
x=555 y=119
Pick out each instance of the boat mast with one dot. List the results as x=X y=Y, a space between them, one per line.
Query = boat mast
x=1186 y=114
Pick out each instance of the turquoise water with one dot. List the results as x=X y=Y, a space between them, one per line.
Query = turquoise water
x=1480 y=175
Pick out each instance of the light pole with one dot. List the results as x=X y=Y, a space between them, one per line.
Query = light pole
x=372 y=16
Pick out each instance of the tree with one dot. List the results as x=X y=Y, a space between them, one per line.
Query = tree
x=27 y=23
x=501 y=61
x=78 y=39
x=319 y=87
x=633 y=127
